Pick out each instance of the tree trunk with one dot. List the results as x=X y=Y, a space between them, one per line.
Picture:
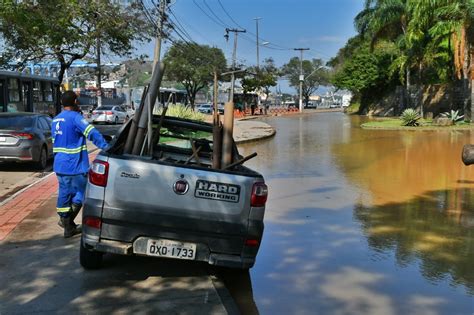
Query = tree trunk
x=192 y=98
x=420 y=76
x=407 y=95
x=61 y=72
x=466 y=78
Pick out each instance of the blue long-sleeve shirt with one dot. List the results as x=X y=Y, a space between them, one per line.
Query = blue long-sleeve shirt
x=70 y=131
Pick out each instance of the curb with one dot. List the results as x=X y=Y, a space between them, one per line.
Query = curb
x=4 y=202
x=272 y=134
x=19 y=205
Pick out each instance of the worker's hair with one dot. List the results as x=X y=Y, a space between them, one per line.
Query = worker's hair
x=68 y=98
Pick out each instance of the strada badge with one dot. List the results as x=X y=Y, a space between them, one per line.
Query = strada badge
x=217 y=191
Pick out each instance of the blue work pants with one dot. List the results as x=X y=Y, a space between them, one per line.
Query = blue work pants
x=71 y=190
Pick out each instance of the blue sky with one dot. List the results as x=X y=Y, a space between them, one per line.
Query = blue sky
x=321 y=25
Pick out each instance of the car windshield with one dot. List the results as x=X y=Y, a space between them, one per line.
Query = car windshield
x=105 y=108
x=16 y=122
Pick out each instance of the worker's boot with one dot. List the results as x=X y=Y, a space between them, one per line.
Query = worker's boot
x=70 y=229
x=75 y=209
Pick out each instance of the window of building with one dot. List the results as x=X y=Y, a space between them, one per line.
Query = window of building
x=13 y=90
x=47 y=91
x=37 y=92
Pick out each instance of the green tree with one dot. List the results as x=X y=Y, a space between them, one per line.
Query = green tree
x=193 y=65
x=388 y=20
x=314 y=75
x=67 y=30
x=262 y=79
x=454 y=24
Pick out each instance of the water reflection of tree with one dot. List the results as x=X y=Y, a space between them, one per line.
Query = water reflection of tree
x=426 y=229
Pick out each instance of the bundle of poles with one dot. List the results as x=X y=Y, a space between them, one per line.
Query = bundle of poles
x=142 y=138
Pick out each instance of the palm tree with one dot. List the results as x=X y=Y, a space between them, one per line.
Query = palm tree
x=455 y=21
x=388 y=20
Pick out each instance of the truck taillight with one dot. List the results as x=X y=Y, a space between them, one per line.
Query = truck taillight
x=259 y=195
x=98 y=173
x=93 y=222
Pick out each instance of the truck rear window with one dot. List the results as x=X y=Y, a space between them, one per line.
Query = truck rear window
x=185 y=140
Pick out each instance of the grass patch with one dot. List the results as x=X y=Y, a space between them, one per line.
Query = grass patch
x=425 y=124
x=353 y=108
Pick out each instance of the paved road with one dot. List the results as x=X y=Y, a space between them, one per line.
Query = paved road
x=41 y=274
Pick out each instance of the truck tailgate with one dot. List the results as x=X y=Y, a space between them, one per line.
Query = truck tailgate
x=174 y=198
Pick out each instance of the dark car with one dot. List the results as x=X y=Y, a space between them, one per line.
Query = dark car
x=26 y=137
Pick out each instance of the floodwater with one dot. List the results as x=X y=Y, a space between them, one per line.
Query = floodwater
x=361 y=221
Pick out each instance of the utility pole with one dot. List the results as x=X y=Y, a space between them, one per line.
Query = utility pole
x=229 y=106
x=159 y=36
x=258 y=58
x=258 y=44
x=301 y=77
x=234 y=58
x=99 y=73
x=99 y=70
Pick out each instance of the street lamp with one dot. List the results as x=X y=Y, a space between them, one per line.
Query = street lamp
x=314 y=71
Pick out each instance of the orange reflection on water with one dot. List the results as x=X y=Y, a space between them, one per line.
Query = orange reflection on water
x=397 y=166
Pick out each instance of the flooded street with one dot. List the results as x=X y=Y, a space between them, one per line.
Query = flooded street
x=361 y=221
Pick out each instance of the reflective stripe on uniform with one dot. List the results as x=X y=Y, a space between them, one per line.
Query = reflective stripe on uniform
x=88 y=130
x=70 y=151
x=62 y=210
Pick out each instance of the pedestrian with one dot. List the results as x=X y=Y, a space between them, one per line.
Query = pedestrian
x=71 y=161
x=252 y=108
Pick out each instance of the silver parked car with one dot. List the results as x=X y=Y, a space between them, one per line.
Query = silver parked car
x=173 y=204
x=205 y=108
x=109 y=114
x=25 y=137
x=209 y=108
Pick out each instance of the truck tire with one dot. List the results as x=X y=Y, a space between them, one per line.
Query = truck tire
x=89 y=259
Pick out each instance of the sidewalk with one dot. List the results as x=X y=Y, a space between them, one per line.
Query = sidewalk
x=21 y=204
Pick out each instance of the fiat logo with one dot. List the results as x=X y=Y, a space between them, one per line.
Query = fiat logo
x=181 y=187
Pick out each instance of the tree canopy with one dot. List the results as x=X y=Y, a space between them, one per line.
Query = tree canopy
x=67 y=30
x=315 y=74
x=193 y=65
x=421 y=42
x=262 y=78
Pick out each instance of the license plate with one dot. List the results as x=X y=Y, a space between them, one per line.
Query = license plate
x=171 y=249
x=3 y=139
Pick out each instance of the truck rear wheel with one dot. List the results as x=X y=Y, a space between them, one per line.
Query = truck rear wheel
x=89 y=259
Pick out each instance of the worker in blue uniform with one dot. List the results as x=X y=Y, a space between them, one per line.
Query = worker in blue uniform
x=71 y=161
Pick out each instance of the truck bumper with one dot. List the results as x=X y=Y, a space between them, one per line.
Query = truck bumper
x=124 y=248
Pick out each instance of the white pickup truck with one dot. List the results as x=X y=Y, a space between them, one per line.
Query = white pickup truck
x=173 y=203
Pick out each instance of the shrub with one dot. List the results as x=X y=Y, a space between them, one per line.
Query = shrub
x=453 y=116
x=410 y=117
x=182 y=111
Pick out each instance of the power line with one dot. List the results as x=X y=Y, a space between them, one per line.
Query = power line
x=212 y=19
x=275 y=46
x=189 y=26
x=230 y=17
x=213 y=13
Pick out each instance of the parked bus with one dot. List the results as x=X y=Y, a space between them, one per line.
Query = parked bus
x=177 y=97
x=28 y=93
